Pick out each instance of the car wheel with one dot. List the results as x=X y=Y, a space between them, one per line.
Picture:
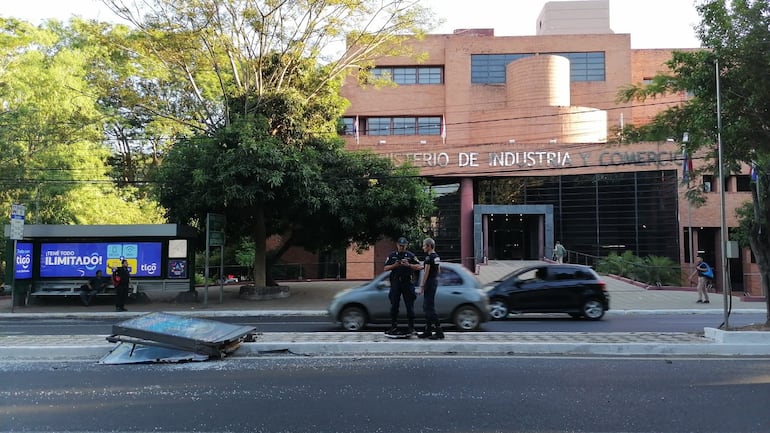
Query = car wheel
x=467 y=318
x=593 y=309
x=353 y=319
x=498 y=310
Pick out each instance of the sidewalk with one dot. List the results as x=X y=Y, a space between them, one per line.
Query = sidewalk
x=312 y=298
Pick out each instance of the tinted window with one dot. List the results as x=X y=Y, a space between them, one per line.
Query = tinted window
x=378 y=126
x=410 y=75
x=490 y=68
x=448 y=277
x=404 y=126
x=584 y=274
x=561 y=274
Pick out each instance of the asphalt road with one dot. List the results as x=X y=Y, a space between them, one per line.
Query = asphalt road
x=390 y=394
x=526 y=323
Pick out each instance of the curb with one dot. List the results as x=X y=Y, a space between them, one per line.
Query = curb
x=507 y=349
x=707 y=348
x=289 y=313
x=715 y=342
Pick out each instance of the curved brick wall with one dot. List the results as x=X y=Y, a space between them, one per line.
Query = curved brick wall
x=538 y=81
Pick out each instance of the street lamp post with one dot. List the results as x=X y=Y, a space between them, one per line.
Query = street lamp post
x=722 y=218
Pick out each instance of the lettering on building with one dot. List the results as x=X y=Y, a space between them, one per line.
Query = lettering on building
x=536 y=159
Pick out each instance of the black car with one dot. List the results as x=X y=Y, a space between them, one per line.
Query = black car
x=549 y=288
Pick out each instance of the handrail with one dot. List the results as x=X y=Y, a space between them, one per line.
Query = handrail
x=582 y=258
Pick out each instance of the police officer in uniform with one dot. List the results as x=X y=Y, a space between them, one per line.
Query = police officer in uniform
x=402 y=264
x=428 y=286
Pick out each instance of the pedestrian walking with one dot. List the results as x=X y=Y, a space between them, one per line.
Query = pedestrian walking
x=402 y=264
x=427 y=288
x=558 y=252
x=704 y=273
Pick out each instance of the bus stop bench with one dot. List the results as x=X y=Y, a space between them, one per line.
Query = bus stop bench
x=72 y=288
x=138 y=290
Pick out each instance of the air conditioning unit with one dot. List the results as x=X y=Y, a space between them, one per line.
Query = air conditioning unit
x=706 y=186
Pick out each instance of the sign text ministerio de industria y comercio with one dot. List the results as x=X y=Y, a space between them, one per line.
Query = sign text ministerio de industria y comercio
x=531 y=159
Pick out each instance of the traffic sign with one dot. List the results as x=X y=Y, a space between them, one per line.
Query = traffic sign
x=216 y=239
x=216 y=222
x=17 y=221
x=215 y=230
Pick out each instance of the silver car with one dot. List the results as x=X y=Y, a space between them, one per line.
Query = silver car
x=460 y=301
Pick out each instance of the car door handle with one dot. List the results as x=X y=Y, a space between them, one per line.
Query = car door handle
x=457 y=293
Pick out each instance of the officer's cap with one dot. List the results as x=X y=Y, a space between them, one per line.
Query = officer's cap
x=402 y=241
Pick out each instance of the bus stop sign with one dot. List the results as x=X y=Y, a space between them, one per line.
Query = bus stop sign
x=17 y=222
x=216 y=230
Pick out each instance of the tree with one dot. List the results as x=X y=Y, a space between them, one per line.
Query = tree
x=314 y=199
x=266 y=89
x=53 y=156
x=736 y=38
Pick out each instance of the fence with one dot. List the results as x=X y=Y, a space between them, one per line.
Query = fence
x=296 y=271
x=280 y=271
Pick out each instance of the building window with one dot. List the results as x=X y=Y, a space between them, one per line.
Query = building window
x=490 y=68
x=404 y=125
x=743 y=183
x=378 y=126
x=429 y=125
x=410 y=75
x=348 y=123
x=585 y=66
x=404 y=75
x=708 y=183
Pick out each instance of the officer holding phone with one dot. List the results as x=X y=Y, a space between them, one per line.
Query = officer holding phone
x=402 y=264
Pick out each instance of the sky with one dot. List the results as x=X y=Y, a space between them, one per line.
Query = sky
x=651 y=23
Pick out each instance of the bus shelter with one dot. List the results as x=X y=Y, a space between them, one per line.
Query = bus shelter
x=55 y=260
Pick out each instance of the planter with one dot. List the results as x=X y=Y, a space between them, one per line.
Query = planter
x=253 y=293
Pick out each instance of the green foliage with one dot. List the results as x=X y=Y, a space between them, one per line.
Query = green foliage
x=651 y=269
x=263 y=147
x=244 y=255
x=624 y=265
x=317 y=196
x=660 y=270
x=735 y=36
x=51 y=140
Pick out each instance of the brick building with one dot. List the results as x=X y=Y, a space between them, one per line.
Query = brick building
x=518 y=136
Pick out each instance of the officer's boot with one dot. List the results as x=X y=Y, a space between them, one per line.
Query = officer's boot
x=438 y=334
x=427 y=332
x=393 y=329
x=410 y=330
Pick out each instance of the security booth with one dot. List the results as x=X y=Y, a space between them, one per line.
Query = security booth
x=55 y=260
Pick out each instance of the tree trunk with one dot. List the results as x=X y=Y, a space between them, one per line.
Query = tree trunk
x=260 y=249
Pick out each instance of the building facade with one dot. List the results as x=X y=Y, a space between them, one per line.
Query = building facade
x=521 y=140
